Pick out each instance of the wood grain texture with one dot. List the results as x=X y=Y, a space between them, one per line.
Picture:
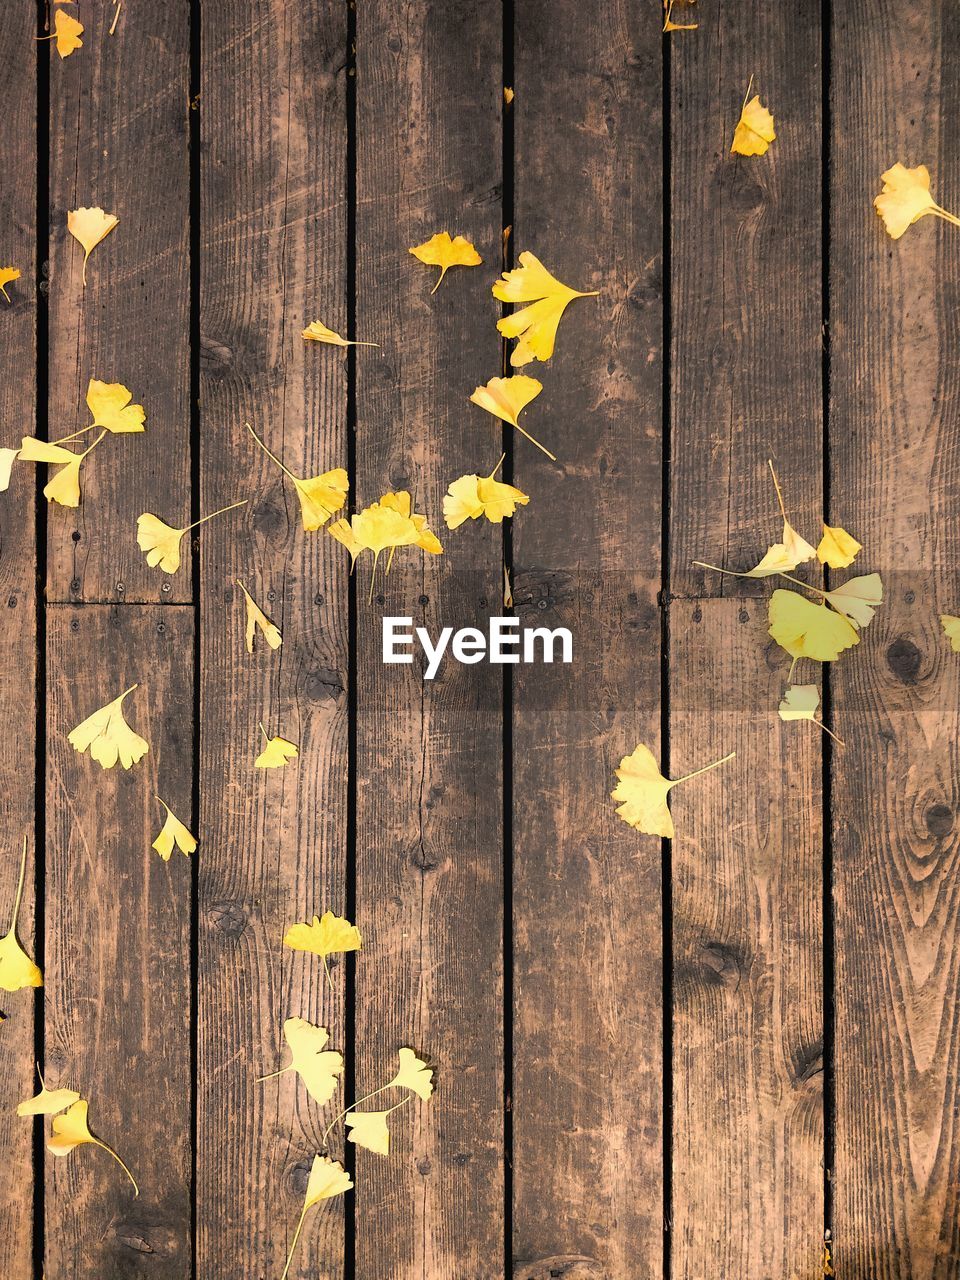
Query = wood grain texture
x=895 y=459
x=429 y=788
x=119 y=137
x=18 y=630
x=747 y=956
x=117 y=995
x=273 y=258
x=586 y=1095
x=745 y=290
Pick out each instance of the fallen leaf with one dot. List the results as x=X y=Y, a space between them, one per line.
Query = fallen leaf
x=67 y=32
x=857 y=598
x=109 y=402
x=369 y=1129
x=388 y=523
x=316 y=1066
x=837 y=548
x=318 y=332
x=754 y=131
x=64 y=485
x=808 y=630
x=508 y=95
x=108 y=736
x=473 y=496
x=642 y=791
x=783 y=556
x=535 y=325
x=71 y=1131
x=800 y=702
x=505 y=398
x=328 y=1178
x=507 y=589
x=951 y=627
x=257 y=618
x=160 y=542
x=906 y=198
x=17 y=970
x=669 y=24
x=324 y=936
x=173 y=833
x=7 y=459
x=7 y=276
x=320 y=496
x=440 y=251
x=276 y=753
x=413 y=1074
x=48 y=1101
x=90 y=227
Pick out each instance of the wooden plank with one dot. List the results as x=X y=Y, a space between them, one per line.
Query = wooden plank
x=273 y=258
x=747 y=980
x=587 y=1172
x=117 y=996
x=895 y=455
x=745 y=288
x=119 y=137
x=18 y=634
x=429 y=799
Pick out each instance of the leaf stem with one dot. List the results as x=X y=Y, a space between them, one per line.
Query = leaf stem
x=110 y=1151
x=296 y=1237
x=838 y=740
x=947 y=217
x=263 y=731
x=326 y=970
x=286 y=471
x=271 y=1075
x=497 y=467
x=203 y=519
x=541 y=447
x=443 y=272
x=706 y=769
x=19 y=898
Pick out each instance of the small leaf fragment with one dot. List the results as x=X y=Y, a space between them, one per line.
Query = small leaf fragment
x=951 y=628
x=7 y=276
x=7 y=458
x=257 y=618
x=317 y=331
x=17 y=970
x=440 y=251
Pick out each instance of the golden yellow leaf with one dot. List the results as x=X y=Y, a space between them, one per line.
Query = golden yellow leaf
x=369 y=1129
x=800 y=702
x=425 y=538
x=72 y=1130
x=857 y=598
x=507 y=589
x=808 y=630
x=668 y=22
x=109 y=402
x=7 y=276
x=7 y=459
x=440 y=251
x=17 y=970
x=837 y=548
x=342 y=530
x=66 y=32
x=828 y=1261
x=473 y=496
x=328 y=1178
x=951 y=627
x=276 y=753
x=784 y=556
x=318 y=332
x=90 y=227
x=320 y=496
x=173 y=833
x=257 y=618
x=160 y=542
x=506 y=397
x=413 y=1074
x=316 y=1066
x=906 y=198
x=324 y=936
x=536 y=325
x=508 y=95
x=108 y=736
x=64 y=485
x=754 y=131
x=390 y=522
x=48 y=1101
x=642 y=791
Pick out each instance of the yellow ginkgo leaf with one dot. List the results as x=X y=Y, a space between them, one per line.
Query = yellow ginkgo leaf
x=425 y=538
x=72 y=1130
x=800 y=702
x=328 y=1178
x=413 y=1074
x=64 y=485
x=784 y=556
x=7 y=276
x=257 y=618
x=324 y=935
x=66 y=32
x=508 y=94
x=316 y=1066
x=320 y=496
x=17 y=970
x=906 y=198
x=90 y=227
x=857 y=598
x=369 y=1129
x=642 y=791
x=388 y=523
x=342 y=530
x=108 y=736
x=276 y=753
x=48 y=1101
x=837 y=548
x=668 y=22
x=160 y=542
x=440 y=251
x=754 y=131
x=318 y=332
x=951 y=629
x=473 y=496
x=173 y=832
x=506 y=397
x=109 y=402
x=536 y=325
x=808 y=630
x=7 y=458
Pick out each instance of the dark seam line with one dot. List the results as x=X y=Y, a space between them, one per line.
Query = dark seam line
x=195 y=503
x=41 y=267
x=666 y=852
x=350 y=878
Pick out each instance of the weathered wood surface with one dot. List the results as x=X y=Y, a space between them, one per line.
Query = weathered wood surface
x=747 y=955
x=18 y=319
x=273 y=256
x=117 y=995
x=894 y=461
x=119 y=139
x=587 y=1084
x=429 y=788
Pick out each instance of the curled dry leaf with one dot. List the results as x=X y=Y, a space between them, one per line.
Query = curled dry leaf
x=108 y=736
x=7 y=276
x=257 y=618
x=276 y=753
x=800 y=702
x=72 y=1130
x=471 y=497
x=17 y=970
x=535 y=325
x=837 y=548
x=90 y=227
x=160 y=542
x=318 y=332
x=506 y=397
x=173 y=832
x=642 y=791
x=318 y=1067
x=754 y=131
x=320 y=496
x=440 y=251
x=109 y=403
x=328 y=1178
x=906 y=198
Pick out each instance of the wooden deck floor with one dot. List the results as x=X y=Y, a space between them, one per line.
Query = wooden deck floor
x=688 y=1061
